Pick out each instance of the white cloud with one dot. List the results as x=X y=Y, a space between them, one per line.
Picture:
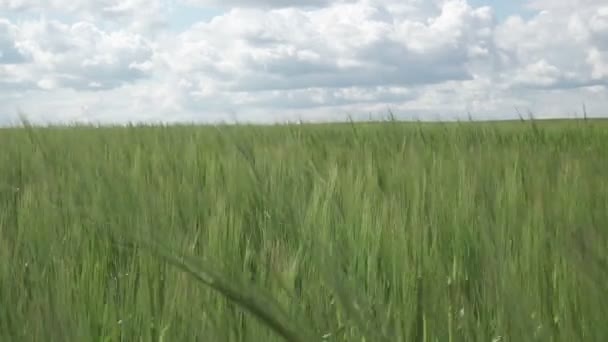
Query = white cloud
x=142 y=15
x=345 y=45
x=9 y=52
x=563 y=5
x=555 y=49
x=279 y=59
x=259 y=3
x=80 y=56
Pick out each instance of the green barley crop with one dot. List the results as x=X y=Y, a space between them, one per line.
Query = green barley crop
x=342 y=232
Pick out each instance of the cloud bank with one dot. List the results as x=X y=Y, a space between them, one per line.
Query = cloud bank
x=319 y=60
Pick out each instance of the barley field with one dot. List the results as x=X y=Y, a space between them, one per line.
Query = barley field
x=339 y=232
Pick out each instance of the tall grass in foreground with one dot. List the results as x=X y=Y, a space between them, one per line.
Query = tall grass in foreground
x=394 y=232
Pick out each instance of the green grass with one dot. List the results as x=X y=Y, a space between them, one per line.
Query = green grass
x=352 y=232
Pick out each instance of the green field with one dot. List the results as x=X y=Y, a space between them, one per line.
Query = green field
x=341 y=232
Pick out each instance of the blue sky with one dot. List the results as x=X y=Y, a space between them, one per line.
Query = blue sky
x=505 y=8
x=276 y=60
x=183 y=16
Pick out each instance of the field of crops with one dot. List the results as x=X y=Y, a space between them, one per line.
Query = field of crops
x=341 y=232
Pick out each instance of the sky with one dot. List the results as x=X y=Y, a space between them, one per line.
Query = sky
x=268 y=61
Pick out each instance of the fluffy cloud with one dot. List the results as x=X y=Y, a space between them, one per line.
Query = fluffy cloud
x=79 y=56
x=9 y=52
x=555 y=49
x=563 y=5
x=315 y=60
x=142 y=15
x=342 y=46
x=259 y=3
